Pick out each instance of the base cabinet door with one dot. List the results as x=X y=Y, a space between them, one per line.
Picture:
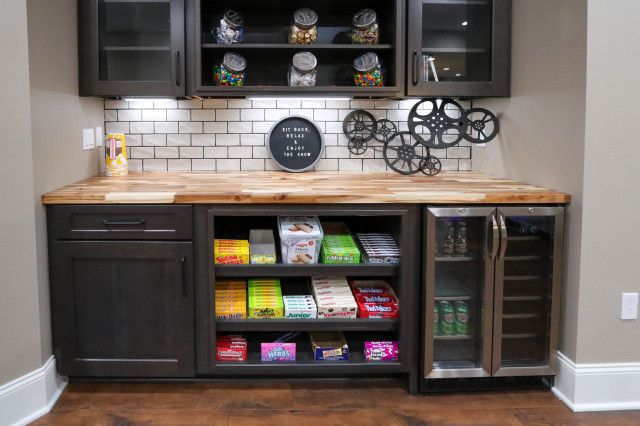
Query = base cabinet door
x=123 y=308
x=527 y=291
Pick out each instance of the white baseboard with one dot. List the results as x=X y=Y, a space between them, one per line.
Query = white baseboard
x=598 y=387
x=31 y=396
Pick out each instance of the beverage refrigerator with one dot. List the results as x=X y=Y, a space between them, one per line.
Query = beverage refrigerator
x=491 y=291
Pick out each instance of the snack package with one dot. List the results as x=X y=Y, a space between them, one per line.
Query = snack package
x=300 y=239
x=339 y=249
x=277 y=352
x=230 y=348
x=231 y=251
x=231 y=299
x=375 y=299
x=333 y=297
x=262 y=246
x=329 y=346
x=378 y=248
x=300 y=307
x=115 y=155
x=381 y=351
x=265 y=298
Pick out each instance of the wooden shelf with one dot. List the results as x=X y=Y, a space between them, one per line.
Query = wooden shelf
x=306 y=47
x=305 y=364
x=285 y=270
x=356 y=324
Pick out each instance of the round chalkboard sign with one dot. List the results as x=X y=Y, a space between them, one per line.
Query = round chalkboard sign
x=295 y=144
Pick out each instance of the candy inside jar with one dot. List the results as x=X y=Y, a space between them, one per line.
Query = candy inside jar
x=304 y=29
x=231 y=72
x=367 y=70
x=303 y=70
x=230 y=29
x=365 y=27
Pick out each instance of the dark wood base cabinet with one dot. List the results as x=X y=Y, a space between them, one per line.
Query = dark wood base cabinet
x=132 y=290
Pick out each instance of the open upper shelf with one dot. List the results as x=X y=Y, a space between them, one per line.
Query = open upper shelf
x=287 y=270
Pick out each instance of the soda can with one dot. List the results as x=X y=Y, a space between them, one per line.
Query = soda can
x=447 y=318
x=436 y=319
x=462 y=318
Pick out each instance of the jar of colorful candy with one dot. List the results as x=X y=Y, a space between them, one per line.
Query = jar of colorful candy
x=367 y=70
x=303 y=69
x=231 y=72
x=304 y=29
x=230 y=29
x=365 y=27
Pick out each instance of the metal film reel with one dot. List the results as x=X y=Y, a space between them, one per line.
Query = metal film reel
x=404 y=154
x=437 y=123
x=482 y=125
x=359 y=124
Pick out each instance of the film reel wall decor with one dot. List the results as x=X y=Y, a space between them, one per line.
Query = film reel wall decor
x=433 y=123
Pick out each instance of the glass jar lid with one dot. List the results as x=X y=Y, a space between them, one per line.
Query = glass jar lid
x=305 y=18
x=364 y=18
x=234 y=62
x=366 y=62
x=233 y=18
x=304 y=62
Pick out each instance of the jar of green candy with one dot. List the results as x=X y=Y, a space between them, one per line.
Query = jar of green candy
x=364 y=28
x=231 y=72
x=367 y=71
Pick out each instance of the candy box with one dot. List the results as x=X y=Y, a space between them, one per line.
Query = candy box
x=262 y=246
x=381 y=351
x=370 y=287
x=278 y=352
x=300 y=239
x=329 y=346
x=339 y=249
x=231 y=348
x=378 y=310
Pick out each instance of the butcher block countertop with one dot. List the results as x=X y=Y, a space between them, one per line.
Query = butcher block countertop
x=301 y=188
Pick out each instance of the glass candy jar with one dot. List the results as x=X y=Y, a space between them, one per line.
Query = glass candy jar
x=231 y=72
x=305 y=27
x=303 y=69
x=367 y=71
x=230 y=29
x=365 y=27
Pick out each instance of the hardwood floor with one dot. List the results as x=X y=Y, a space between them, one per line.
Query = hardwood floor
x=278 y=403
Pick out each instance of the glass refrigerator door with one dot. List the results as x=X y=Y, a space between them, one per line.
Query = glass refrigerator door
x=134 y=38
x=527 y=290
x=461 y=247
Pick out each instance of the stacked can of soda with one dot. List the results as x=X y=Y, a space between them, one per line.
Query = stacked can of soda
x=451 y=318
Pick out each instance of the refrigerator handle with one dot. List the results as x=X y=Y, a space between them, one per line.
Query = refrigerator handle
x=503 y=236
x=495 y=235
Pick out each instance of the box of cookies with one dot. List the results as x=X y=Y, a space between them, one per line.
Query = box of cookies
x=300 y=239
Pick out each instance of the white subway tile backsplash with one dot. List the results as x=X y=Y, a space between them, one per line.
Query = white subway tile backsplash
x=230 y=134
x=154 y=140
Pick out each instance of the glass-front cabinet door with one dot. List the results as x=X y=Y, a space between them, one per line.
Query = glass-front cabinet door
x=459 y=47
x=527 y=290
x=461 y=245
x=132 y=47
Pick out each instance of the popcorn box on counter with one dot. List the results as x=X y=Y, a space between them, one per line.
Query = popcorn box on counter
x=300 y=239
x=381 y=351
x=278 y=352
x=329 y=346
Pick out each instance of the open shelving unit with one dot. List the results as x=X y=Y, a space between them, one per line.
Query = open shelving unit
x=268 y=54
x=235 y=222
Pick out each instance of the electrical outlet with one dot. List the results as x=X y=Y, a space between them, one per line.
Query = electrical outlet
x=99 y=136
x=88 y=141
x=629 y=306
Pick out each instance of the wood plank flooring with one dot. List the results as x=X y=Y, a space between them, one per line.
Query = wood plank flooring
x=314 y=404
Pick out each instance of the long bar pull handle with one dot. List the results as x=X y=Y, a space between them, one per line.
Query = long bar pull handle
x=108 y=222
x=495 y=237
x=503 y=236
x=414 y=69
x=178 y=68
x=185 y=286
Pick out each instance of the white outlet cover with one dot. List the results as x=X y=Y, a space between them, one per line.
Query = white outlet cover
x=88 y=141
x=629 y=306
x=99 y=136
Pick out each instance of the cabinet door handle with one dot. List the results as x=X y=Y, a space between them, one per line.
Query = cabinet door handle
x=108 y=222
x=178 y=68
x=503 y=236
x=414 y=68
x=495 y=236
x=183 y=270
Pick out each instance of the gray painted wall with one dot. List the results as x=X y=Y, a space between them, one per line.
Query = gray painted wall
x=19 y=310
x=58 y=116
x=542 y=124
x=610 y=258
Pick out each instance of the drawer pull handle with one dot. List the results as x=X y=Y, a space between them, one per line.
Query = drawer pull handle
x=185 y=287
x=108 y=222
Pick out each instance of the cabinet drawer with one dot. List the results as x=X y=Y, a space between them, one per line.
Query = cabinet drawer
x=157 y=222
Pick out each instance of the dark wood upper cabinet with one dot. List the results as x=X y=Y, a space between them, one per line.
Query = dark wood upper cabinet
x=131 y=47
x=466 y=42
x=123 y=308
